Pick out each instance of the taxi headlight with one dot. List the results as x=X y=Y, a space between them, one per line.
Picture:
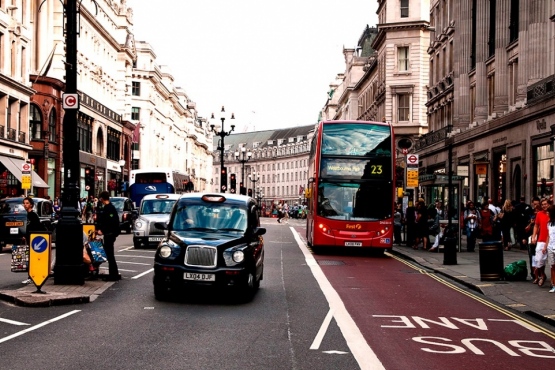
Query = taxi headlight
x=238 y=256
x=138 y=225
x=165 y=251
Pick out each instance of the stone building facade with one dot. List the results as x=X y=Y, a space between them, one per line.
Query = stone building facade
x=491 y=102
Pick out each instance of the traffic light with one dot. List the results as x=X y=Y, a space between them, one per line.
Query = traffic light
x=249 y=192
x=223 y=178
x=89 y=180
x=233 y=183
x=242 y=189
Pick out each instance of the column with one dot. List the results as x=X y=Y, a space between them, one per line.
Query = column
x=461 y=66
x=501 y=99
x=482 y=20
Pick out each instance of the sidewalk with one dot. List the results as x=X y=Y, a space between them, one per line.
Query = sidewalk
x=56 y=295
x=522 y=296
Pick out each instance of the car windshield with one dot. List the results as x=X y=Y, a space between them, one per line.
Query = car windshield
x=210 y=217
x=118 y=203
x=157 y=206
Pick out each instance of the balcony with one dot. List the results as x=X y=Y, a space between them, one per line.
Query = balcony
x=433 y=137
x=11 y=134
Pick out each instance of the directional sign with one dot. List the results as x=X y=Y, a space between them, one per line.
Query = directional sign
x=70 y=101
x=39 y=258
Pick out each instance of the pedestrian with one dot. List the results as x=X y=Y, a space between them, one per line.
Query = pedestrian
x=549 y=249
x=539 y=237
x=523 y=214
x=108 y=226
x=508 y=221
x=434 y=229
x=88 y=210
x=529 y=230
x=285 y=211
x=33 y=224
x=422 y=228
x=280 y=212
x=410 y=225
x=486 y=223
x=471 y=223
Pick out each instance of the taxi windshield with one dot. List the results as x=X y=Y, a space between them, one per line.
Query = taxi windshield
x=210 y=217
x=156 y=206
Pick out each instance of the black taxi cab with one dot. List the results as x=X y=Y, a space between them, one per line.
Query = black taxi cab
x=13 y=219
x=212 y=240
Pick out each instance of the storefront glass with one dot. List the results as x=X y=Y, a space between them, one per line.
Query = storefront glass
x=543 y=157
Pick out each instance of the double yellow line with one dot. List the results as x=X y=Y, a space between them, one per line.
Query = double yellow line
x=475 y=297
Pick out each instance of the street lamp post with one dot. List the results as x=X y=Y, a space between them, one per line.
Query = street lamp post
x=243 y=156
x=254 y=178
x=69 y=245
x=220 y=131
x=121 y=166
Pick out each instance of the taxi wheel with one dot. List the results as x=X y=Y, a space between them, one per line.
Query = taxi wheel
x=162 y=293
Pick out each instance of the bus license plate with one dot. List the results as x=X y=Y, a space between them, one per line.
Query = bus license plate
x=155 y=239
x=353 y=244
x=199 y=277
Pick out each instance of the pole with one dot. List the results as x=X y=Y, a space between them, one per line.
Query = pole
x=69 y=248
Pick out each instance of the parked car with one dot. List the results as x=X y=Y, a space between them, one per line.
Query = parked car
x=212 y=240
x=154 y=208
x=13 y=219
x=126 y=211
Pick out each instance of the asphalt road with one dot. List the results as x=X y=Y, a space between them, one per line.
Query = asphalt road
x=330 y=311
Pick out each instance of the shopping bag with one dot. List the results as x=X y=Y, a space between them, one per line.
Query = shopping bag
x=20 y=258
x=98 y=252
x=516 y=271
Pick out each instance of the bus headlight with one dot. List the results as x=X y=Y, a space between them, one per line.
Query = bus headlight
x=324 y=228
x=383 y=231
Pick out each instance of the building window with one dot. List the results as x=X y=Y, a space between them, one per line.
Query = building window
x=491 y=93
x=513 y=22
x=136 y=88
x=403 y=58
x=135 y=113
x=404 y=8
x=403 y=107
x=52 y=126
x=35 y=122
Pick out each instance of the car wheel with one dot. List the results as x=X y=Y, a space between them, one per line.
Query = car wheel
x=162 y=293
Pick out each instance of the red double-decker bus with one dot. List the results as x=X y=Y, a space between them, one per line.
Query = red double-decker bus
x=351 y=185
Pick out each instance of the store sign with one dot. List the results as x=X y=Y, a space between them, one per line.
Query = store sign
x=482 y=169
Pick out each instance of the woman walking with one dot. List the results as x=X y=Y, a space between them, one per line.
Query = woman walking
x=508 y=220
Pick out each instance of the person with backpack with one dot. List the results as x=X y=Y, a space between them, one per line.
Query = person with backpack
x=108 y=226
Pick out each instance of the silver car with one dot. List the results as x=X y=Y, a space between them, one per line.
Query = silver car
x=154 y=208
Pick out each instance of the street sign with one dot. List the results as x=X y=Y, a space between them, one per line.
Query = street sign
x=70 y=101
x=26 y=168
x=39 y=258
x=412 y=177
x=412 y=160
x=26 y=182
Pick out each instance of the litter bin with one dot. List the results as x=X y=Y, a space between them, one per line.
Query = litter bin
x=491 y=260
x=449 y=246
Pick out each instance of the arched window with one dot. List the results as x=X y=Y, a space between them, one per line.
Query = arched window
x=52 y=125
x=35 y=123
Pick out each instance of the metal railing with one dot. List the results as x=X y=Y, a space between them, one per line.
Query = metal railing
x=433 y=137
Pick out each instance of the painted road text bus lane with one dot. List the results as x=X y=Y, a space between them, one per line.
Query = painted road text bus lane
x=410 y=317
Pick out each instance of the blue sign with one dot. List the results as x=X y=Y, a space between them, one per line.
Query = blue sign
x=39 y=244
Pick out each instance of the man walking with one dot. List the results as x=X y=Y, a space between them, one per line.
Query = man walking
x=108 y=225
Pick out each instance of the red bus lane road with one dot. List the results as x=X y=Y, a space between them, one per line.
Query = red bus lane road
x=411 y=320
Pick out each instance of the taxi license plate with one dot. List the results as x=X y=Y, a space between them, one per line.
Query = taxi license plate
x=199 y=277
x=353 y=244
x=14 y=223
x=155 y=239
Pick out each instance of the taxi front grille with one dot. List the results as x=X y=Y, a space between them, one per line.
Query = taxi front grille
x=201 y=256
x=153 y=230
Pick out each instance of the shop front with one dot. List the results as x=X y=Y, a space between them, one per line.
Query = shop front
x=12 y=176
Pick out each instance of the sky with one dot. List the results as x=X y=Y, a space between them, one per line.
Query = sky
x=268 y=62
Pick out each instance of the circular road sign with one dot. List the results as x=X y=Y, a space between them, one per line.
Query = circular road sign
x=412 y=159
x=26 y=167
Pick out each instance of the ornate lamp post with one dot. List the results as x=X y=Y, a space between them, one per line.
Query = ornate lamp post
x=243 y=156
x=219 y=131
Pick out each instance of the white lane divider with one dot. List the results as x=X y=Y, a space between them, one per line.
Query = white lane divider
x=363 y=354
x=323 y=329
x=7 y=321
x=38 y=326
x=142 y=274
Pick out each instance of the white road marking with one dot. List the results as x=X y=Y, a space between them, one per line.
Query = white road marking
x=106 y=269
x=365 y=357
x=335 y=352
x=13 y=322
x=128 y=256
x=142 y=274
x=38 y=326
x=323 y=329
x=135 y=263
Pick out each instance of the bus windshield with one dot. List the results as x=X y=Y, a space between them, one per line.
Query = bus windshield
x=366 y=201
x=356 y=139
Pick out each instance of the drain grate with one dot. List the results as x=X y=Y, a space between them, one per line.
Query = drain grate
x=330 y=263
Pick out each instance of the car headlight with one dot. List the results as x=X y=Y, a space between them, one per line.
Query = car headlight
x=138 y=224
x=238 y=256
x=165 y=251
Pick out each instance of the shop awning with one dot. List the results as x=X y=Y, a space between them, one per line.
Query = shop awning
x=14 y=166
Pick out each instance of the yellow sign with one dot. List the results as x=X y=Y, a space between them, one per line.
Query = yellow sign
x=39 y=258
x=482 y=169
x=307 y=192
x=412 y=178
x=26 y=182
x=89 y=230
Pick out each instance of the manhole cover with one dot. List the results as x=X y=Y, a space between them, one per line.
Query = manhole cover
x=330 y=263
